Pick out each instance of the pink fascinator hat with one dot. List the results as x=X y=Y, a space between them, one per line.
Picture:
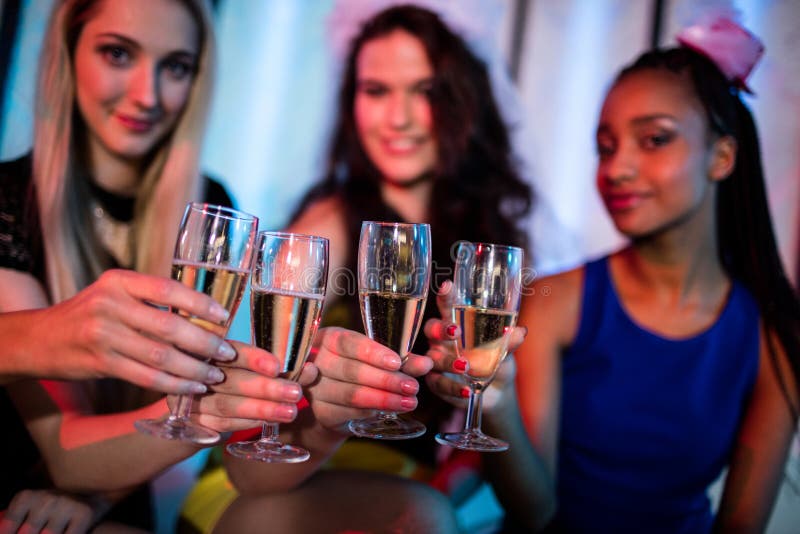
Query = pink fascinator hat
x=733 y=49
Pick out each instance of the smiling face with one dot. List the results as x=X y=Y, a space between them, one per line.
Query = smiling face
x=392 y=108
x=134 y=64
x=655 y=153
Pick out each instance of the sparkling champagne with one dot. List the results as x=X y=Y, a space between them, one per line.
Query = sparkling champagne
x=224 y=285
x=392 y=320
x=285 y=324
x=484 y=339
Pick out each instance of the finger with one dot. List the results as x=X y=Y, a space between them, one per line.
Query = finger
x=447 y=386
x=441 y=330
x=417 y=365
x=518 y=335
x=228 y=413
x=17 y=511
x=309 y=374
x=40 y=513
x=354 y=372
x=129 y=344
x=445 y=299
x=67 y=511
x=254 y=359
x=150 y=378
x=174 y=329
x=446 y=359
x=170 y=293
x=355 y=346
x=361 y=397
x=244 y=383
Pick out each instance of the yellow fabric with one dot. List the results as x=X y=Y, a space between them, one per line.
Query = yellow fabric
x=208 y=500
x=373 y=456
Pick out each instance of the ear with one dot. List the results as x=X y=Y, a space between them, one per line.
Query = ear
x=723 y=158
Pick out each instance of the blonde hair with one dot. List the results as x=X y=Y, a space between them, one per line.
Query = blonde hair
x=73 y=255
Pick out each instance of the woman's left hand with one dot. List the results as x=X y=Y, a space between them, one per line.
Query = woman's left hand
x=446 y=379
x=51 y=511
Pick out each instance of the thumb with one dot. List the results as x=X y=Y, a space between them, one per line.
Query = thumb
x=444 y=299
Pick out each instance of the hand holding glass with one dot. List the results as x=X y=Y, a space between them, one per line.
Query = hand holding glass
x=394 y=263
x=286 y=295
x=487 y=283
x=213 y=253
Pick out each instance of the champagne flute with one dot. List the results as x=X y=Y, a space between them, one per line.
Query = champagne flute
x=286 y=295
x=213 y=254
x=394 y=263
x=487 y=292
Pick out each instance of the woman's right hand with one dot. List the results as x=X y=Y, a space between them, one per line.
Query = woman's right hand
x=116 y=327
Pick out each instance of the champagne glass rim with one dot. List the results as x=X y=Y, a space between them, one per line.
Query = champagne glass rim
x=305 y=237
x=222 y=211
x=490 y=245
x=390 y=223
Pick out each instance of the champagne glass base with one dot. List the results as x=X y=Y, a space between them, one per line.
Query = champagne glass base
x=472 y=441
x=179 y=429
x=387 y=426
x=268 y=451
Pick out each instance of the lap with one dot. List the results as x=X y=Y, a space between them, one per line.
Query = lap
x=336 y=501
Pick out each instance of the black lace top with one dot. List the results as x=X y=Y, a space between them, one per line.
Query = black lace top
x=21 y=250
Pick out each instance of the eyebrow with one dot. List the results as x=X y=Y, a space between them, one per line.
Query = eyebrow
x=655 y=116
x=135 y=44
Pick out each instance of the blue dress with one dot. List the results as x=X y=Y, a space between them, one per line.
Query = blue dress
x=648 y=423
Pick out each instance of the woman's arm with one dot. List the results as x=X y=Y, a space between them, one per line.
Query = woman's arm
x=110 y=329
x=761 y=449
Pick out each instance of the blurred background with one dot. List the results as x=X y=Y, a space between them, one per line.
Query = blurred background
x=278 y=77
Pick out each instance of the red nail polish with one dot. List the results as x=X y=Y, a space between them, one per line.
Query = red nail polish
x=460 y=365
x=451 y=330
x=465 y=392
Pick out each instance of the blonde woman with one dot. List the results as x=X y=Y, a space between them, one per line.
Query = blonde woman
x=122 y=98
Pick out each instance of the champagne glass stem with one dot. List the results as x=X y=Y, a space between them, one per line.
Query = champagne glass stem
x=269 y=433
x=183 y=408
x=474 y=409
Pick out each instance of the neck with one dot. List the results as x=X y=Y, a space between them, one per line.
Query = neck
x=411 y=203
x=111 y=173
x=681 y=261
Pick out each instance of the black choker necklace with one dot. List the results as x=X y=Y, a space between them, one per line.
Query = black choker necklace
x=118 y=207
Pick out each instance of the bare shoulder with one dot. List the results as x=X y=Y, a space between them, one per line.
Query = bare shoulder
x=554 y=301
x=326 y=217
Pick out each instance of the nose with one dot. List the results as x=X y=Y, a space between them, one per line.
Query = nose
x=143 y=86
x=619 y=167
x=399 y=111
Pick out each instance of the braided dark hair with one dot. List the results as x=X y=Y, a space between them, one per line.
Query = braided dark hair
x=746 y=240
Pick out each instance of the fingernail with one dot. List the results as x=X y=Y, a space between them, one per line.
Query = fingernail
x=451 y=330
x=409 y=387
x=292 y=393
x=526 y=331
x=460 y=365
x=197 y=388
x=215 y=376
x=218 y=312
x=287 y=412
x=226 y=351
x=465 y=392
x=392 y=361
x=408 y=403
x=446 y=287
